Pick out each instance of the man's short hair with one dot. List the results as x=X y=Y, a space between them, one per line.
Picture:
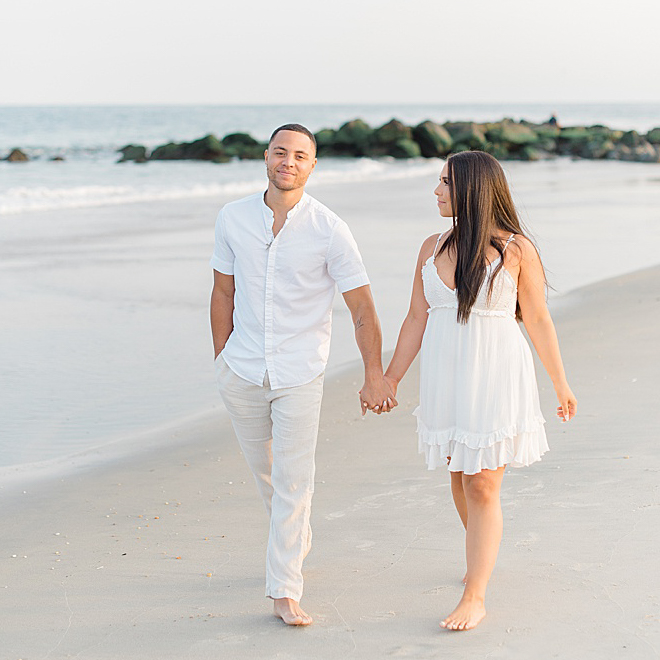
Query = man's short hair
x=297 y=128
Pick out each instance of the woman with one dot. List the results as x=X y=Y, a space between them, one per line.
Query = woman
x=479 y=407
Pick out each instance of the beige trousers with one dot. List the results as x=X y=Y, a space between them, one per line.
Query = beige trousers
x=277 y=432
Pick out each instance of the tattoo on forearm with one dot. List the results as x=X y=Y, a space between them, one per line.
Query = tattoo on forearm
x=359 y=323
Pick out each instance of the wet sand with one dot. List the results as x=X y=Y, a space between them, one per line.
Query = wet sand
x=104 y=329
x=161 y=555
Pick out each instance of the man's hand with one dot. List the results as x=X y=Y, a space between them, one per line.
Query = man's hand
x=377 y=396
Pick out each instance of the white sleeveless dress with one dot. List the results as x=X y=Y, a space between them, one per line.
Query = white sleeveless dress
x=479 y=399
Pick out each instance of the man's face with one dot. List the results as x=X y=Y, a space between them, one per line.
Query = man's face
x=290 y=159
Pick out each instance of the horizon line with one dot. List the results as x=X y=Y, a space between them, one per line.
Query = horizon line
x=317 y=104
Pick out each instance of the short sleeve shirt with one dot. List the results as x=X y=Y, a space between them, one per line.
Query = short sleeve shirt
x=285 y=286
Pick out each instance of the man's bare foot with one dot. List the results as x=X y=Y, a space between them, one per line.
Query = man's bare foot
x=290 y=612
x=467 y=614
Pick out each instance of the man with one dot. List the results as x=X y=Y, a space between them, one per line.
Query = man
x=278 y=257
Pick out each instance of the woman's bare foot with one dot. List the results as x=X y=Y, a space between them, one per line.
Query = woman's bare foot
x=290 y=612
x=464 y=580
x=467 y=614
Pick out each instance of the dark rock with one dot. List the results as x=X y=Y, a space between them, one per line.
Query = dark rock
x=17 y=156
x=585 y=142
x=547 y=144
x=391 y=132
x=544 y=131
x=527 y=152
x=496 y=150
x=169 y=151
x=57 y=159
x=133 y=152
x=393 y=139
x=621 y=152
x=206 y=148
x=466 y=133
x=239 y=139
x=571 y=139
x=595 y=149
x=632 y=139
x=511 y=135
x=434 y=140
x=643 y=152
x=325 y=139
x=353 y=139
x=653 y=136
x=404 y=148
x=647 y=153
x=242 y=146
x=462 y=146
x=255 y=152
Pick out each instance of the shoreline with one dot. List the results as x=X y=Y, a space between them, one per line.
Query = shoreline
x=105 y=324
x=117 y=450
x=161 y=555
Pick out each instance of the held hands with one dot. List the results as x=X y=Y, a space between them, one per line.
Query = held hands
x=378 y=396
x=567 y=407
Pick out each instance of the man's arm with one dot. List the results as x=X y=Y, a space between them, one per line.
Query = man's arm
x=222 y=310
x=375 y=392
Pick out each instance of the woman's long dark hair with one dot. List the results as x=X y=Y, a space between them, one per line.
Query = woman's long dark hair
x=483 y=208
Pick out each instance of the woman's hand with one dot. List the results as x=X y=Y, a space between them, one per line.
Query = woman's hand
x=567 y=407
x=377 y=397
x=392 y=383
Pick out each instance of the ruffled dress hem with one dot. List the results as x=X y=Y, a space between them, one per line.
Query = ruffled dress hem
x=517 y=445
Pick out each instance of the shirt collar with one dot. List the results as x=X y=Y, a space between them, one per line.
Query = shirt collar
x=304 y=200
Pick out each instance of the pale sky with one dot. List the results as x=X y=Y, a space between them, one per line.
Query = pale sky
x=337 y=51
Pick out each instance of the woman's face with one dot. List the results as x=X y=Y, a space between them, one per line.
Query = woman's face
x=443 y=193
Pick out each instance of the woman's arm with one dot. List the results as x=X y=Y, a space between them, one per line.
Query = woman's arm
x=412 y=329
x=539 y=325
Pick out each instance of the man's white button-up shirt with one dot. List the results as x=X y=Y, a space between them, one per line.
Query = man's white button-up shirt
x=285 y=286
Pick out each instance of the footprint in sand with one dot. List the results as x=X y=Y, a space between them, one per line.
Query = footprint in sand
x=435 y=590
x=377 y=617
x=415 y=651
x=365 y=545
x=336 y=514
x=575 y=505
x=525 y=543
x=531 y=490
x=232 y=639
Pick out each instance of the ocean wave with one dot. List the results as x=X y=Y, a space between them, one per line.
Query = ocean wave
x=21 y=199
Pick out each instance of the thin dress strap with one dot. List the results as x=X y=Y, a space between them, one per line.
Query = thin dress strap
x=508 y=241
x=435 y=249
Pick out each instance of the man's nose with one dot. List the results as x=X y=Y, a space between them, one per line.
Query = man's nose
x=288 y=160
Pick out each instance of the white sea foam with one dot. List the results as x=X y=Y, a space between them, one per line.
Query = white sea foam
x=238 y=181
x=20 y=200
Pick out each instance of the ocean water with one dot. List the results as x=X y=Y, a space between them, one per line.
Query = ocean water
x=88 y=139
x=104 y=276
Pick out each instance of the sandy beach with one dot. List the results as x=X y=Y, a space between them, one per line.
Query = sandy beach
x=161 y=555
x=104 y=327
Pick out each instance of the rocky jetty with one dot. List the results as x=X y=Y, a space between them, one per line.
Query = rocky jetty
x=506 y=139
x=209 y=148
